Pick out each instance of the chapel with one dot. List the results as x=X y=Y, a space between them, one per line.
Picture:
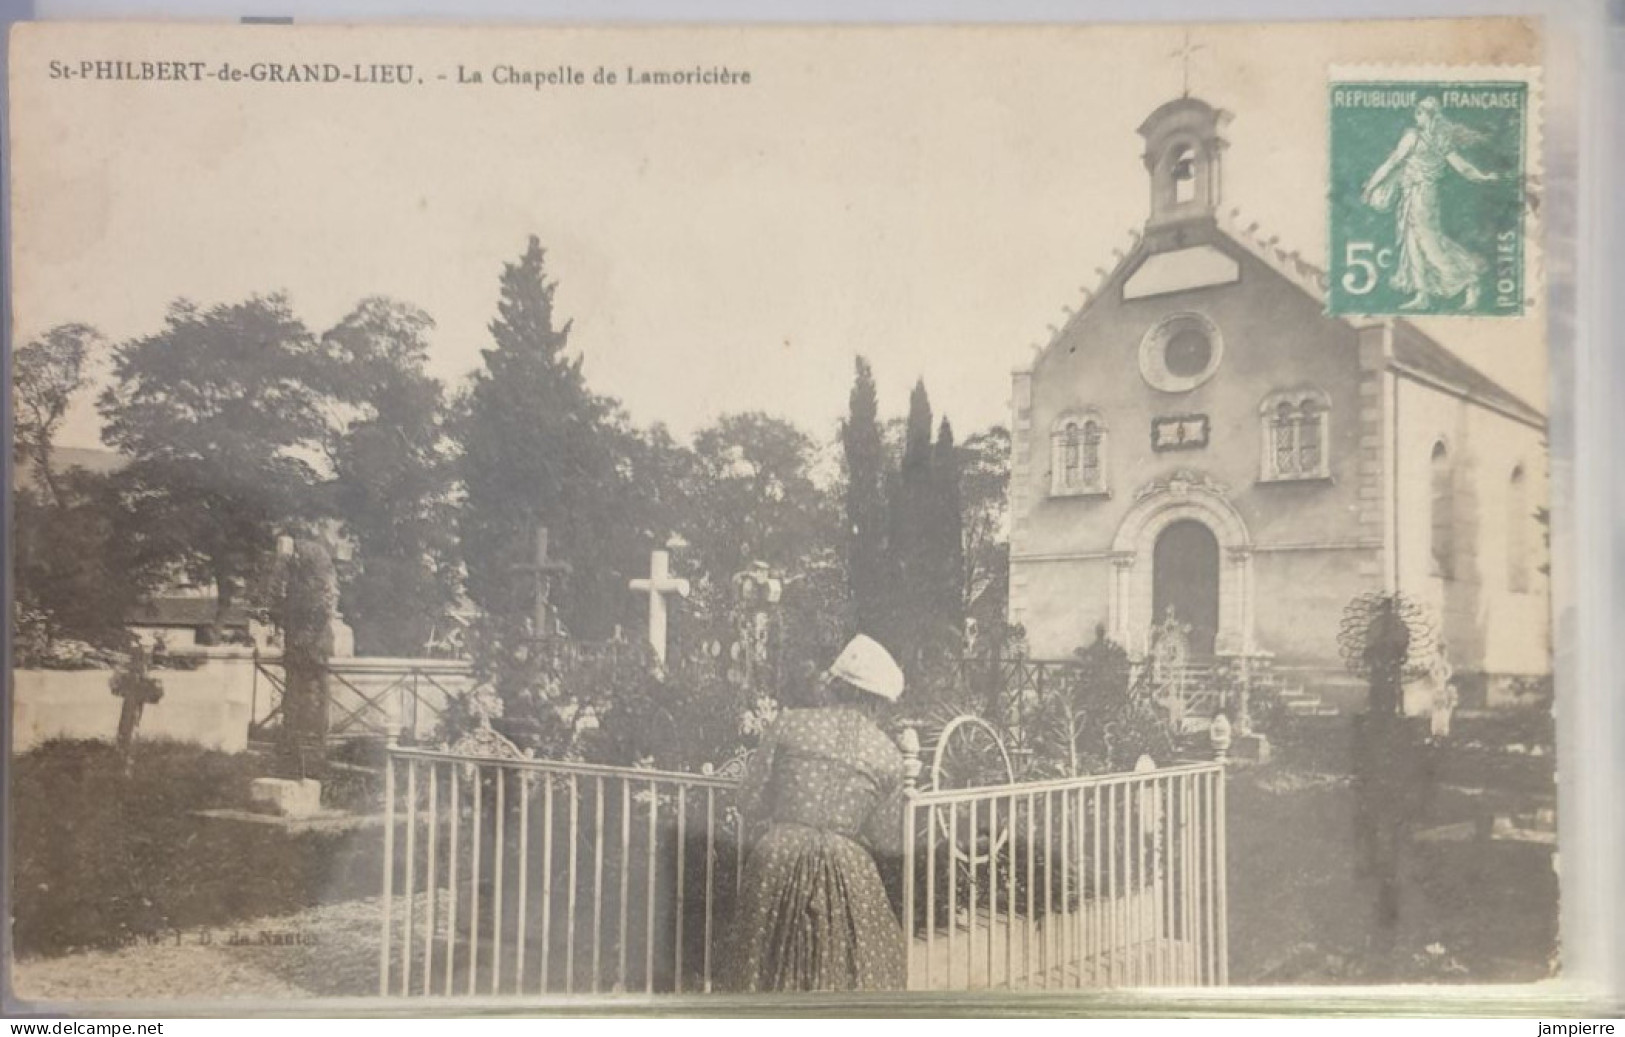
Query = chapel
x=1202 y=440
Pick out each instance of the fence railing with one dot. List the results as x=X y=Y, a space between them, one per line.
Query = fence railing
x=516 y=876
x=365 y=698
x=520 y=876
x=1113 y=880
x=1011 y=688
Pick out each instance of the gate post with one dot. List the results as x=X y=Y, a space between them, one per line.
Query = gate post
x=386 y=900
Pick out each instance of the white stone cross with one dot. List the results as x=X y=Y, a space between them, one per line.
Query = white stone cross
x=659 y=584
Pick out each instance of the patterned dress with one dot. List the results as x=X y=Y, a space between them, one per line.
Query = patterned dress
x=828 y=784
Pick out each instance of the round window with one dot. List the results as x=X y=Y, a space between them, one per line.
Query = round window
x=1180 y=352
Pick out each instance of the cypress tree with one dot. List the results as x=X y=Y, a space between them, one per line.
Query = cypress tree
x=947 y=542
x=864 y=453
x=913 y=584
x=538 y=449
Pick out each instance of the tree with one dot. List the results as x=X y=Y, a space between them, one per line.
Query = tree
x=865 y=456
x=75 y=577
x=910 y=543
x=945 y=539
x=47 y=374
x=538 y=449
x=985 y=493
x=752 y=505
x=392 y=479
x=752 y=497
x=218 y=412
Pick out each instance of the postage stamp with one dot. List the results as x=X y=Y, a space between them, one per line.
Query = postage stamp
x=1427 y=196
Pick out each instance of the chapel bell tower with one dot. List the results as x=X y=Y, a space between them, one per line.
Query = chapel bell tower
x=1184 y=154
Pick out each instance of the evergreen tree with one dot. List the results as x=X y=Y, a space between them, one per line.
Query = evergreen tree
x=538 y=450
x=946 y=542
x=392 y=480
x=913 y=567
x=866 y=556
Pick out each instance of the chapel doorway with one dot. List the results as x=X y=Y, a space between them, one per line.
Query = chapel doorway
x=1185 y=577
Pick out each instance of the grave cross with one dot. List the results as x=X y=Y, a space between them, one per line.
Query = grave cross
x=542 y=570
x=659 y=584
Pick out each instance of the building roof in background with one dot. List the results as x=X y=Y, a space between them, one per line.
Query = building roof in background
x=1420 y=353
x=1414 y=349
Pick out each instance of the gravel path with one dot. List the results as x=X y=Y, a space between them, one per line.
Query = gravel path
x=330 y=950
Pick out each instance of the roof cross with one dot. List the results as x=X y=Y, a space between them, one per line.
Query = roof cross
x=1186 y=49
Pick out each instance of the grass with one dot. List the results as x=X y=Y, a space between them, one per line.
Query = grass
x=101 y=859
x=1476 y=911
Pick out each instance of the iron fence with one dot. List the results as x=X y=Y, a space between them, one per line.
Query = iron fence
x=516 y=876
x=520 y=876
x=409 y=698
x=1111 y=880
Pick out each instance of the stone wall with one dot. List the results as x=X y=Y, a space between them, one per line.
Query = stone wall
x=208 y=706
x=212 y=705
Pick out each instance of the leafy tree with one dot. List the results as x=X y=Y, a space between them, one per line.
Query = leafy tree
x=984 y=482
x=76 y=579
x=753 y=505
x=47 y=374
x=219 y=413
x=72 y=582
x=751 y=496
x=865 y=461
x=392 y=479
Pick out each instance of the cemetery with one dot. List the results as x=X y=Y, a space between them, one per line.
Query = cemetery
x=490 y=739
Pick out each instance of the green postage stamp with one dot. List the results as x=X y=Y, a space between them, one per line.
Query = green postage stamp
x=1427 y=199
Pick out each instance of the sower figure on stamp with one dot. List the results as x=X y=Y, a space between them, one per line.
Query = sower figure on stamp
x=1431 y=264
x=827 y=784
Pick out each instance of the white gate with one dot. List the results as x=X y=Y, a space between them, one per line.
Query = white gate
x=505 y=875
x=1098 y=881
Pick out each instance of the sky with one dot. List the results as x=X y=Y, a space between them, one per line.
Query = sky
x=928 y=198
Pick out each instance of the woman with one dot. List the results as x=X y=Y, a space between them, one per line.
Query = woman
x=828 y=785
x=1431 y=265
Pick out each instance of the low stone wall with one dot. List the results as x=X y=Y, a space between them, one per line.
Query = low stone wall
x=212 y=704
x=208 y=706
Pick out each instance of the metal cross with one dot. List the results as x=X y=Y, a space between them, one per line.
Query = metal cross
x=1184 y=54
x=542 y=571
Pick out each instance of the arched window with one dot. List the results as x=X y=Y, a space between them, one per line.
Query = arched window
x=1442 y=513
x=1072 y=459
x=1182 y=169
x=1295 y=435
x=1518 y=520
x=1079 y=456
